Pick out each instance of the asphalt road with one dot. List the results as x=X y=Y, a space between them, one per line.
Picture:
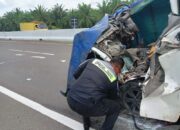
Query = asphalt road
x=31 y=75
x=36 y=70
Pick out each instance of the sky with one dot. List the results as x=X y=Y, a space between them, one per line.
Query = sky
x=8 y=5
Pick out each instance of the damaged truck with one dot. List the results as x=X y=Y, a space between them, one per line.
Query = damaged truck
x=147 y=35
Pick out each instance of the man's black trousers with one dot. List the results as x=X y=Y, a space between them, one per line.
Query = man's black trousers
x=105 y=107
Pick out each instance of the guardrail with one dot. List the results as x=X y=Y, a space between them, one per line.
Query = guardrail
x=49 y=35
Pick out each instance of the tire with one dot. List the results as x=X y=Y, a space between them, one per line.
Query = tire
x=132 y=96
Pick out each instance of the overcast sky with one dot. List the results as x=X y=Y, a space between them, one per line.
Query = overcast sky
x=8 y=5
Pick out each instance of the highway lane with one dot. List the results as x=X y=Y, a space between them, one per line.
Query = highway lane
x=15 y=116
x=36 y=70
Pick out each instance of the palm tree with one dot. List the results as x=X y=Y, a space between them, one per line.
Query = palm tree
x=40 y=13
x=109 y=6
x=27 y=16
x=85 y=16
x=11 y=20
x=4 y=24
x=104 y=7
x=116 y=3
x=58 y=16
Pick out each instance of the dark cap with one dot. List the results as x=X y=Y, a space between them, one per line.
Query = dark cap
x=117 y=60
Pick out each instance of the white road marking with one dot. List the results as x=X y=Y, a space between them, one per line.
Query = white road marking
x=39 y=57
x=63 y=61
x=2 y=63
x=19 y=54
x=73 y=124
x=33 y=52
x=28 y=79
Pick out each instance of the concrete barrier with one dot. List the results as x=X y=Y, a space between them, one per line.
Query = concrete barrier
x=48 y=35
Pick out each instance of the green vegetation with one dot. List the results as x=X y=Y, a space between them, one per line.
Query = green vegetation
x=58 y=17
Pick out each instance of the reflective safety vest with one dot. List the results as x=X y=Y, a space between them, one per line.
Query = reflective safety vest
x=106 y=68
x=95 y=80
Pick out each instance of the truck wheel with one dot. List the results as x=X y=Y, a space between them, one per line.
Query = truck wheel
x=132 y=97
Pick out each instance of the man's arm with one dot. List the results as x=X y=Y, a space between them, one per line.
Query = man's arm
x=76 y=75
x=80 y=69
x=113 y=92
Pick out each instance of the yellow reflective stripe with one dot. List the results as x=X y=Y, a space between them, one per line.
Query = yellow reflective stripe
x=106 y=70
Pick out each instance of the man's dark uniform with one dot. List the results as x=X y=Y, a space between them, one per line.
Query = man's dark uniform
x=94 y=91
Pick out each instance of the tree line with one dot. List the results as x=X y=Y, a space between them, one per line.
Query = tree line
x=58 y=17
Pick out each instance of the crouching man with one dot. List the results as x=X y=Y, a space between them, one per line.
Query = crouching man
x=94 y=91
